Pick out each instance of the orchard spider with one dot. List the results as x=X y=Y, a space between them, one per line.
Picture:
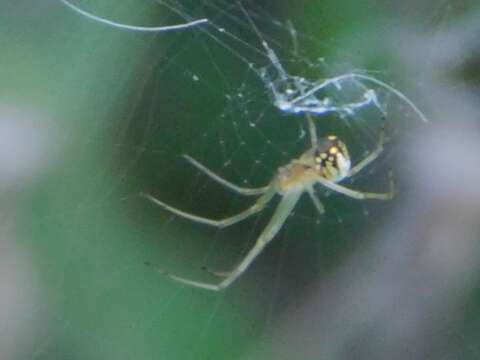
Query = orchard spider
x=326 y=163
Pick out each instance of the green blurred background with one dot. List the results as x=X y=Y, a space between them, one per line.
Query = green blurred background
x=105 y=114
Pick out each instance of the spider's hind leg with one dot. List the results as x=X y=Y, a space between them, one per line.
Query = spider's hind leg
x=261 y=202
x=284 y=209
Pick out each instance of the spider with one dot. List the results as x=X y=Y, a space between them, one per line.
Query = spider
x=326 y=163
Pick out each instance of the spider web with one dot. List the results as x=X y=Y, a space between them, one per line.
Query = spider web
x=255 y=121
x=233 y=94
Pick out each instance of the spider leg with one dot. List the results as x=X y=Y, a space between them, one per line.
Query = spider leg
x=360 y=195
x=312 y=130
x=316 y=201
x=370 y=157
x=217 y=273
x=256 y=207
x=283 y=210
x=222 y=181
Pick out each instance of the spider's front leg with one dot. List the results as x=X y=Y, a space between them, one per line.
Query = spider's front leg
x=370 y=157
x=360 y=195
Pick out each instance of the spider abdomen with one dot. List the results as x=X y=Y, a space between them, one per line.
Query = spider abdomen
x=334 y=168
x=331 y=158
